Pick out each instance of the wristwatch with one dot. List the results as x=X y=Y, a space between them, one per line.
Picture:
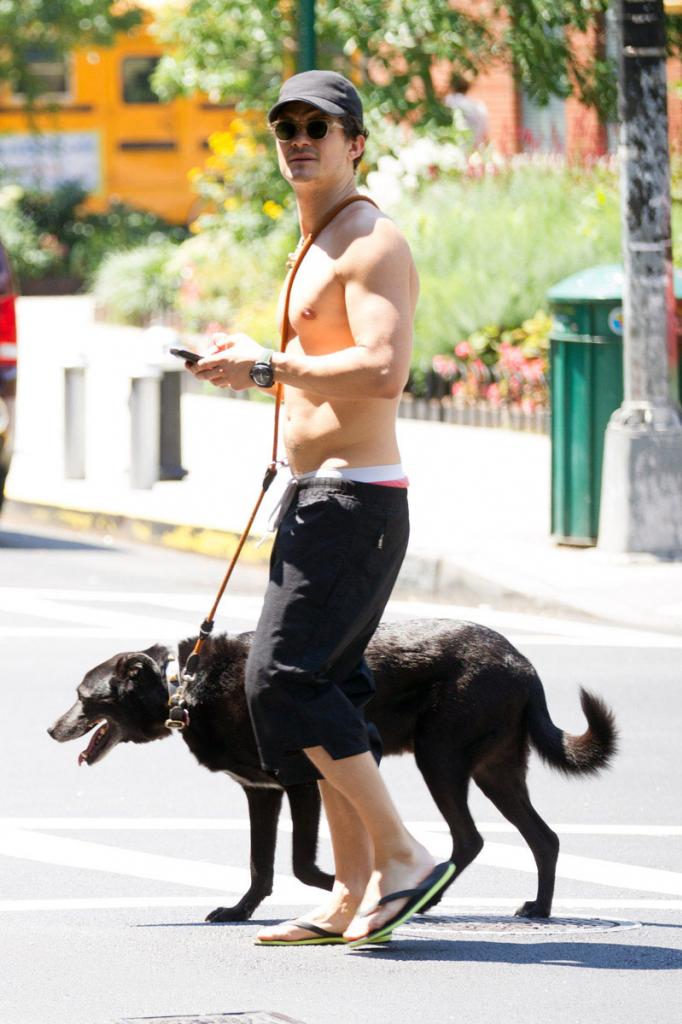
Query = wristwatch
x=262 y=372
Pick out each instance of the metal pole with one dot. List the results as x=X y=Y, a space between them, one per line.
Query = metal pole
x=145 y=416
x=307 y=57
x=641 y=506
x=170 y=427
x=74 y=422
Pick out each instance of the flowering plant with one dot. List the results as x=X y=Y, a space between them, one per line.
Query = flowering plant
x=400 y=162
x=501 y=367
x=239 y=186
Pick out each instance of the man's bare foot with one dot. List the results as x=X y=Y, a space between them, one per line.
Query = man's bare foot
x=393 y=876
x=333 y=916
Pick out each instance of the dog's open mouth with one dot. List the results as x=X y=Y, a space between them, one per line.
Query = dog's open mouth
x=100 y=741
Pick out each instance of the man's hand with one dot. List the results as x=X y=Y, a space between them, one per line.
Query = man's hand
x=229 y=359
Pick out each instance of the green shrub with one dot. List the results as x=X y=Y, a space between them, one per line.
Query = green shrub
x=47 y=233
x=239 y=187
x=232 y=284
x=487 y=250
x=33 y=253
x=131 y=287
x=121 y=227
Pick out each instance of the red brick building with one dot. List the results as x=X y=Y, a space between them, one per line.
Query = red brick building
x=517 y=124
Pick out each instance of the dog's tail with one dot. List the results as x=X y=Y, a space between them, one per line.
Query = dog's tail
x=574 y=755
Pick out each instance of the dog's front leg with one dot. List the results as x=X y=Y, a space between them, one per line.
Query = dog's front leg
x=264 y=808
x=304 y=801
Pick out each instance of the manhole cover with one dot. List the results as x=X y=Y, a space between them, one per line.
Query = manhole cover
x=250 y=1017
x=497 y=924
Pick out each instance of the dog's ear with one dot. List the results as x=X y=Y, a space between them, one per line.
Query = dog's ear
x=159 y=655
x=130 y=667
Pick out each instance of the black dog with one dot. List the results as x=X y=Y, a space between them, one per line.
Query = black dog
x=456 y=694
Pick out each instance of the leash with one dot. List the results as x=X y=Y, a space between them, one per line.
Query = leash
x=178 y=716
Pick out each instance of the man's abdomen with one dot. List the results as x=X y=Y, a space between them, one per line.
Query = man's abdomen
x=342 y=432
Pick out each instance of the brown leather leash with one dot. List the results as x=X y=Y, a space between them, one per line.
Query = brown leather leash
x=178 y=717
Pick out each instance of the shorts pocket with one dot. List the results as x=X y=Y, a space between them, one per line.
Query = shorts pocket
x=313 y=545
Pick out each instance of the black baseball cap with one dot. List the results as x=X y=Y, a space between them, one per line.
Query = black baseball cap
x=326 y=90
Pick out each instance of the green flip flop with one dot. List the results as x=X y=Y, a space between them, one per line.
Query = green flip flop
x=418 y=897
x=319 y=937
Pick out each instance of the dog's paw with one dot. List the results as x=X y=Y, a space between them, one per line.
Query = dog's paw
x=237 y=913
x=531 y=909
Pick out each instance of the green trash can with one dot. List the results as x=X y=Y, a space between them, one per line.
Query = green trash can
x=586 y=379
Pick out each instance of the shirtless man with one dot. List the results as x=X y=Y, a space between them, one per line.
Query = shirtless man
x=342 y=539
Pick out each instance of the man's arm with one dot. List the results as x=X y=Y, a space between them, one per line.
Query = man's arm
x=376 y=278
x=376 y=274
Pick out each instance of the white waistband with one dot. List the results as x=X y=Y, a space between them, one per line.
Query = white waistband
x=360 y=474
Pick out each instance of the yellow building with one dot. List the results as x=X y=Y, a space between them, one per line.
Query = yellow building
x=109 y=131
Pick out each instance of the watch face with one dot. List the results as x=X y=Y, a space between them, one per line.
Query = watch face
x=262 y=375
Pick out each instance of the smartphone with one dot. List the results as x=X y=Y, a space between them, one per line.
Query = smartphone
x=183 y=353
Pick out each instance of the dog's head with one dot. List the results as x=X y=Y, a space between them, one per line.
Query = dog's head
x=124 y=699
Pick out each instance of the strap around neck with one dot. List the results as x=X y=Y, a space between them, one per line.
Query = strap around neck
x=300 y=256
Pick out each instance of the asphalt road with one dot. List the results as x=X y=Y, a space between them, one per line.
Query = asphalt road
x=108 y=872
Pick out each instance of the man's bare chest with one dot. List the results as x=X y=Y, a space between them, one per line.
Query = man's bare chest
x=317 y=309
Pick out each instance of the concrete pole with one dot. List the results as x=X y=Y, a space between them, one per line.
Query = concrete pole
x=641 y=503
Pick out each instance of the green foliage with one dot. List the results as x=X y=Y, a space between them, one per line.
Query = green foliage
x=131 y=287
x=209 y=282
x=229 y=49
x=539 y=39
x=48 y=234
x=32 y=253
x=53 y=212
x=501 y=367
x=230 y=284
x=55 y=27
x=240 y=50
x=121 y=227
x=240 y=184
x=488 y=250
x=399 y=41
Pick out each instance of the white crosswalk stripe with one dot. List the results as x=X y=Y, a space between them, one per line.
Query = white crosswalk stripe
x=32 y=613
x=27 y=839
x=97 y=614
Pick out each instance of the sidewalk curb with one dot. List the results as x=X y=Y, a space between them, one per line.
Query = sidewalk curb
x=181 y=537
x=447 y=575
x=423 y=575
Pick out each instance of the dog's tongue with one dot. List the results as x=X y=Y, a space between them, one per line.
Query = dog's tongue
x=83 y=757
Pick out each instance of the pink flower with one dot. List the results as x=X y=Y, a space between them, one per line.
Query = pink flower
x=480 y=370
x=444 y=366
x=463 y=350
x=493 y=394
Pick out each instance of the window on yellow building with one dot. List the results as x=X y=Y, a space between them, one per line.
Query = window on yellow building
x=52 y=72
x=136 y=73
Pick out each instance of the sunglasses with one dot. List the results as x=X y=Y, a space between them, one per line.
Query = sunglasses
x=317 y=128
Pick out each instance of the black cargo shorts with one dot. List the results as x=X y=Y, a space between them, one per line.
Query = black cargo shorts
x=336 y=557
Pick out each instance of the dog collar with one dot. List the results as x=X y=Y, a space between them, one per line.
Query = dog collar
x=178 y=717
x=172 y=674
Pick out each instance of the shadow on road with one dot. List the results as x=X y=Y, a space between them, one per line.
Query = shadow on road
x=608 y=956
x=261 y=923
x=37 y=542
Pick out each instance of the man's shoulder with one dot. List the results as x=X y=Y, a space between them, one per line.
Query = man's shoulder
x=365 y=236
